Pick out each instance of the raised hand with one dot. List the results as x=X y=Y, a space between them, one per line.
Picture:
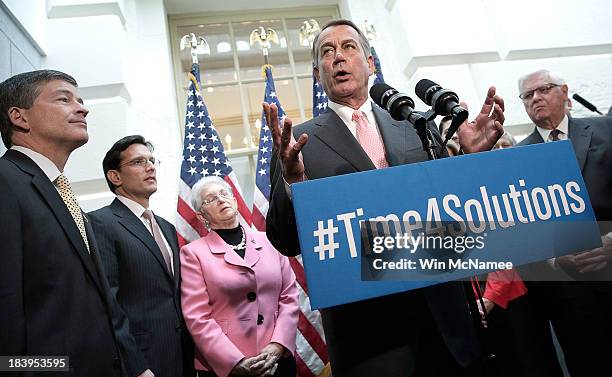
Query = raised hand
x=285 y=146
x=482 y=133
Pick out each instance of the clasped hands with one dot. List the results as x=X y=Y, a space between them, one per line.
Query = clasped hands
x=587 y=261
x=481 y=134
x=264 y=364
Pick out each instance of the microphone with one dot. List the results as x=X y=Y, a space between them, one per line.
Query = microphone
x=443 y=102
x=399 y=105
x=586 y=103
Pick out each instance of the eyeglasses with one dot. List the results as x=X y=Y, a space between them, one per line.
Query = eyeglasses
x=212 y=198
x=544 y=89
x=142 y=162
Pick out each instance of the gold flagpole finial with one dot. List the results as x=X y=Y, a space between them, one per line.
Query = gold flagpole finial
x=265 y=37
x=197 y=45
x=308 y=32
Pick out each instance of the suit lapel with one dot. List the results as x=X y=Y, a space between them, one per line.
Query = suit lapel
x=218 y=246
x=334 y=133
x=534 y=138
x=170 y=236
x=395 y=137
x=50 y=195
x=580 y=136
x=133 y=225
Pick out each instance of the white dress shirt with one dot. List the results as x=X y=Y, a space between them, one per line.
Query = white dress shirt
x=46 y=165
x=138 y=211
x=563 y=127
x=345 y=113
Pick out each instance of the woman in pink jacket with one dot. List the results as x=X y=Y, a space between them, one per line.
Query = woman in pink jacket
x=239 y=296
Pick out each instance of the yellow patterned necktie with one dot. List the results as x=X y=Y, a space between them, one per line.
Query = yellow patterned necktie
x=65 y=191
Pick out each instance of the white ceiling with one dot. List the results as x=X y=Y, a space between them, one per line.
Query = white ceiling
x=198 y=6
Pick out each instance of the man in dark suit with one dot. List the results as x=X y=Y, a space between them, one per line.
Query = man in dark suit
x=579 y=310
x=140 y=254
x=54 y=299
x=406 y=334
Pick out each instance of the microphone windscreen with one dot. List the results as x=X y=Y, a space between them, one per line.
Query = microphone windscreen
x=421 y=89
x=377 y=91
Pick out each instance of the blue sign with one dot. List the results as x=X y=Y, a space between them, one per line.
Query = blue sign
x=384 y=231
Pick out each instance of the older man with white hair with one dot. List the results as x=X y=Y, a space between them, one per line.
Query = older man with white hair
x=579 y=310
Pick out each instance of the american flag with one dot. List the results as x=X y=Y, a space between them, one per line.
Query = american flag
x=261 y=196
x=203 y=155
x=319 y=98
x=311 y=351
x=377 y=70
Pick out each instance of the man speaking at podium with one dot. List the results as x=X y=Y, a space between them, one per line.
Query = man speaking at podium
x=425 y=332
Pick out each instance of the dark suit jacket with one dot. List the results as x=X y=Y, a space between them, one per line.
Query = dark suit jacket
x=54 y=299
x=145 y=290
x=377 y=336
x=592 y=142
x=580 y=310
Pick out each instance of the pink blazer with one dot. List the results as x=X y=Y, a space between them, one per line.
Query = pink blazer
x=225 y=296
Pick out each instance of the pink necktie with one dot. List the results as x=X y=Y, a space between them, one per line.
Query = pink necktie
x=148 y=215
x=369 y=140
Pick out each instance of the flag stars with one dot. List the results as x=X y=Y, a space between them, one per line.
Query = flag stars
x=191 y=147
x=190 y=136
x=189 y=114
x=217 y=172
x=262 y=171
x=216 y=161
x=200 y=104
x=192 y=171
x=201 y=114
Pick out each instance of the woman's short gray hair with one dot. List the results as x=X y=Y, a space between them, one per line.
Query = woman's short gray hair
x=203 y=183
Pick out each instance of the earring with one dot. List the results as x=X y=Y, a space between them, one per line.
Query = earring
x=207 y=224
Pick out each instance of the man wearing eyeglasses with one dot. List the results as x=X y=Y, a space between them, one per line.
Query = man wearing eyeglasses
x=140 y=254
x=579 y=310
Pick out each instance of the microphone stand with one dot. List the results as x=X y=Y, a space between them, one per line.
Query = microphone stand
x=472 y=294
x=427 y=139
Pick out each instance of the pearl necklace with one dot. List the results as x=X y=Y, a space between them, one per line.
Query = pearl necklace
x=242 y=243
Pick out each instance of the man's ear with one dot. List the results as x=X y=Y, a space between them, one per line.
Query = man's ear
x=18 y=119
x=371 y=64
x=316 y=73
x=114 y=177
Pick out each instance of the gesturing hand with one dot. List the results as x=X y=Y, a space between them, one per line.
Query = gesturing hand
x=285 y=145
x=482 y=133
